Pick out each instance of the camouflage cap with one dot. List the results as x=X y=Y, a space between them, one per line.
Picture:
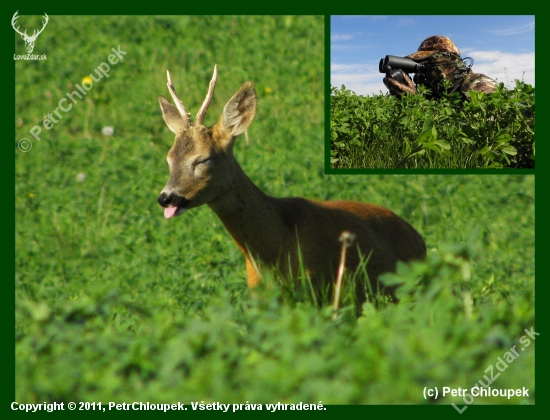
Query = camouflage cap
x=433 y=44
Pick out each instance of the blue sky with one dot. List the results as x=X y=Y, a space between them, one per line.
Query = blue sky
x=496 y=43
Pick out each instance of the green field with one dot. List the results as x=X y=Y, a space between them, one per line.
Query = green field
x=116 y=303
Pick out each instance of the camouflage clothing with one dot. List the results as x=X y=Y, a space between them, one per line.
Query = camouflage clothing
x=398 y=89
x=442 y=61
x=432 y=45
x=478 y=82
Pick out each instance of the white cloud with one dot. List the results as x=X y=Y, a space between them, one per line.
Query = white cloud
x=504 y=67
x=340 y=37
x=406 y=22
x=349 y=68
x=514 y=31
x=349 y=47
x=363 y=79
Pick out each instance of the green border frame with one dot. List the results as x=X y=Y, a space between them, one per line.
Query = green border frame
x=281 y=7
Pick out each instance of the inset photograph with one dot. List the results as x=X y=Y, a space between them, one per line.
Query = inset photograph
x=441 y=92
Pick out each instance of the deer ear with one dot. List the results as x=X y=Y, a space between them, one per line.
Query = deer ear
x=171 y=115
x=239 y=112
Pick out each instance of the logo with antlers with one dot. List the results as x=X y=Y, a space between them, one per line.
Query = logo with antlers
x=29 y=40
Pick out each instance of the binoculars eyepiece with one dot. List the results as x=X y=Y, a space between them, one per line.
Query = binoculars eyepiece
x=391 y=65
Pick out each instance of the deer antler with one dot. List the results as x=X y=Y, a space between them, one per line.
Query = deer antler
x=43 y=26
x=13 y=22
x=34 y=33
x=177 y=102
x=206 y=103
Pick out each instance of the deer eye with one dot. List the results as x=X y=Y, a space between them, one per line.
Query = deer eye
x=203 y=163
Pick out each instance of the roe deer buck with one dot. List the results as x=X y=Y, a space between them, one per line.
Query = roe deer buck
x=273 y=231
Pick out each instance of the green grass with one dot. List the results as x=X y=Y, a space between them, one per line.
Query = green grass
x=382 y=131
x=116 y=303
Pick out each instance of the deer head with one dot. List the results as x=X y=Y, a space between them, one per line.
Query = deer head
x=201 y=160
x=29 y=40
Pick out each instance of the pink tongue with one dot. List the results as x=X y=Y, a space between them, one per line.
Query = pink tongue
x=170 y=211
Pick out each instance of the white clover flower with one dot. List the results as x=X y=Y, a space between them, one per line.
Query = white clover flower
x=107 y=131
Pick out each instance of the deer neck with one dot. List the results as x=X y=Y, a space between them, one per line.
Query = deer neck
x=251 y=217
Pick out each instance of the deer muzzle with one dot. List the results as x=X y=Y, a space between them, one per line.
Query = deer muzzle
x=173 y=204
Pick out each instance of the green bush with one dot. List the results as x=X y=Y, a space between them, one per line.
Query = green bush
x=490 y=131
x=446 y=331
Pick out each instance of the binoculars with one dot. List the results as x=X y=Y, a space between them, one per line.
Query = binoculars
x=391 y=65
